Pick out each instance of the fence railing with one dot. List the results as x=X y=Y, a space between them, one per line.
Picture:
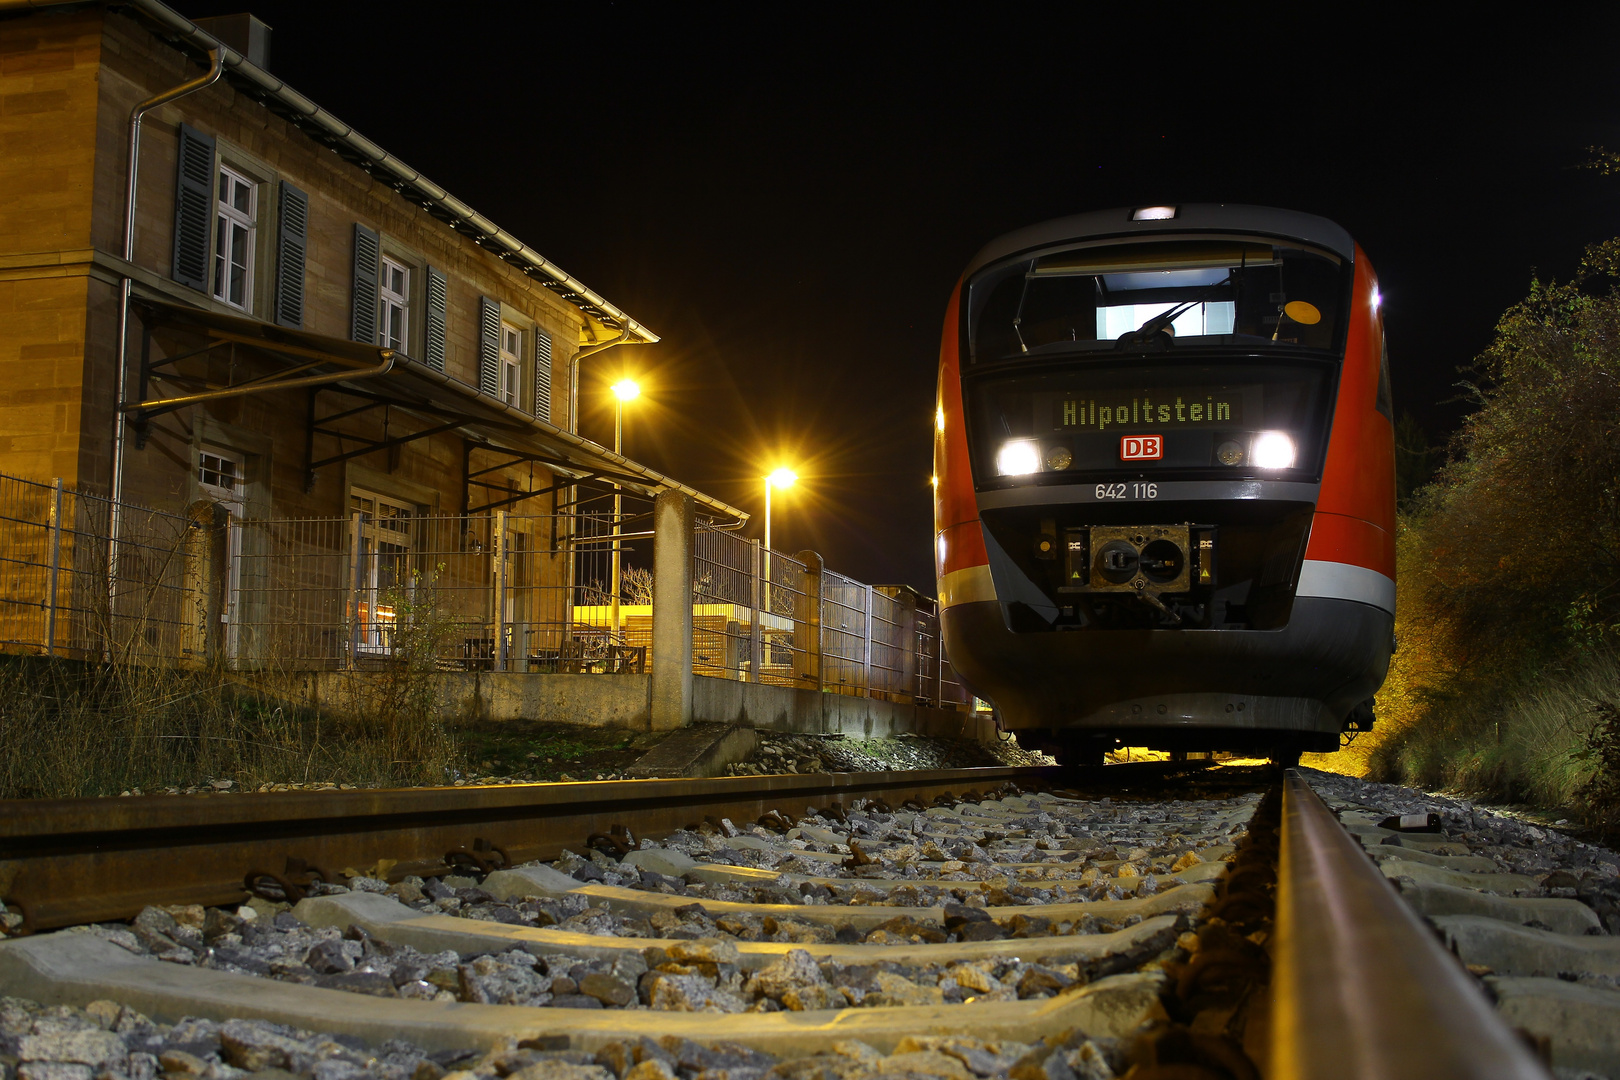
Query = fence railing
x=499 y=591
x=62 y=594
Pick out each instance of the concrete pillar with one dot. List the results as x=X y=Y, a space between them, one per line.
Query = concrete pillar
x=905 y=599
x=734 y=649
x=203 y=571
x=673 y=520
x=807 y=624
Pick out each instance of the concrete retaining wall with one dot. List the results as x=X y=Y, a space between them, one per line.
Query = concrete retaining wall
x=626 y=701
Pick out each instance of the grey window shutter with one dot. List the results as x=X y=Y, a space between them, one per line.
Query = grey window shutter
x=193 y=201
x=489 y=346
x=438 y=299
x=292 y=233
x=367 y=250
x=542 y=375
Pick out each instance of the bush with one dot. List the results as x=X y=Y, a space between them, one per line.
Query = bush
x=1600 y=795
x=1509 y=561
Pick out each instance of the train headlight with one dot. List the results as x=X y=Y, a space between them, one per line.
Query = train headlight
x=1273 y=450
x=1018 y=457
x=1059 y=457
x=1229 y=453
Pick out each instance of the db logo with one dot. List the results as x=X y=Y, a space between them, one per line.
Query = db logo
x=1141 y=447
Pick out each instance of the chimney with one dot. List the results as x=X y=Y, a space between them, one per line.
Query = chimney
x=244 y=33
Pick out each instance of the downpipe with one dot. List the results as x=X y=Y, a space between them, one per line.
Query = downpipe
x=216 y=68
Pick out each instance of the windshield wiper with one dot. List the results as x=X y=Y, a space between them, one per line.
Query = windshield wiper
x=1165 y=318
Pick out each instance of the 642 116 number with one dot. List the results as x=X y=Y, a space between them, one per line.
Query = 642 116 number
x=1131 y=490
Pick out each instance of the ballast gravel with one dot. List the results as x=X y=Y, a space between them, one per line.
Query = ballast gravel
x=779 y=752
x=108 y=1041
x=939 y=858
x=1561 y=865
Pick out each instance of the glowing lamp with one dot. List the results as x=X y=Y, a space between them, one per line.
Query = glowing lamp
x=1018 y=457
x=626 y=390
x=1272 y=450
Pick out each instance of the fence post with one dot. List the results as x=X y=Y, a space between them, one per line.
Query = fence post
x=866 y=643
x=356 y=577
x=807 y=623
x=199 y=617
x=56 y=567
x=500 y=590
x=674 y=517
x=756 y=633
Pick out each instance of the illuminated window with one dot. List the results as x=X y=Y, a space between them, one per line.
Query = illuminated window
x=233 y=239
x=1209 y=318
x=511 y=365
x=393 y=305
x=385 y=545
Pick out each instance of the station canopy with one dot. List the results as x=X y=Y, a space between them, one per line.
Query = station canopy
x=347 y=379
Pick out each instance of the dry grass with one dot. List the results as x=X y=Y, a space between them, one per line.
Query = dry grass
x=74 y=730
x=1529 y=745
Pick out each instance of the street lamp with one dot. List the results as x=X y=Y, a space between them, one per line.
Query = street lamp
x=782 y=478
x=624 y=390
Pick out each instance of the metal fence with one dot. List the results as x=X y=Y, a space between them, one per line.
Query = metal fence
x=493 y=591
x=62 y=595
x=935 y=681
x=748 y=611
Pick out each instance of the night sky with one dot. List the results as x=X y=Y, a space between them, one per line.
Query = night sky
x=787 y=195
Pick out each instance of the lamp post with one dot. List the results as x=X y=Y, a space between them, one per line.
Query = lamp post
x=624 y=390
x=782 y=478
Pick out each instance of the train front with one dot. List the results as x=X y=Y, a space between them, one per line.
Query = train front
x=1164 y=476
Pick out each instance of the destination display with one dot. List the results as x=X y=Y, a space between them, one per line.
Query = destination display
x=1167 y=409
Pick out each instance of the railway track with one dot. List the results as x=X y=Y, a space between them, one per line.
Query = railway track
x=986 y=922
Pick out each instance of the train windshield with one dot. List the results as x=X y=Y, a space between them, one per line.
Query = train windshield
x=1226 y=420
x=1153 y=295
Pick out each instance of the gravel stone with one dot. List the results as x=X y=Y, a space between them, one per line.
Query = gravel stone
x=100 y=1049
x=795 y=972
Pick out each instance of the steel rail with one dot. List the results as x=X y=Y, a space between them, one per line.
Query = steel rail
x=70 y=861
x=1361 y=988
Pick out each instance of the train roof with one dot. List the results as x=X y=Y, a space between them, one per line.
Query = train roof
x=1189 y=217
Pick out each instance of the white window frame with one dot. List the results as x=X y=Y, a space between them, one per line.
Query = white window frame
x=229 y=222
x=390 y=301
x=511 y=373
x=380 y=538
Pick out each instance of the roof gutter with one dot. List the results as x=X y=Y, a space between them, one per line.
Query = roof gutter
x=398 y=175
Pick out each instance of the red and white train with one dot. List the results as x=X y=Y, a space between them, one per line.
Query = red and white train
x=1164 y=482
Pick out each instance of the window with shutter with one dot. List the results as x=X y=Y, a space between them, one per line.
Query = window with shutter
x=193 y=207
x=542 y=375
x=367 y=252
x=489 y=346
x=438 y=296
x=292 y=232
